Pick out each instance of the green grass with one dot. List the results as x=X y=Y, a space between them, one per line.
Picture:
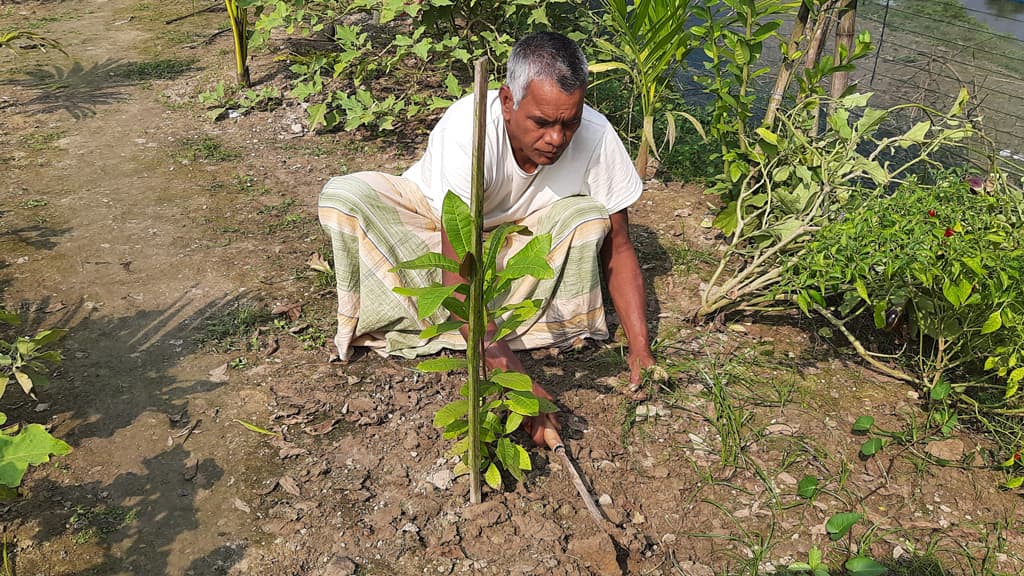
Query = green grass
x=204 y=149
x=231 y=328
x=92 y=523
x=42 y=141
x=164 y=69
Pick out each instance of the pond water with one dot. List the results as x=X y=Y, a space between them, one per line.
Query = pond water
x=1002 y=16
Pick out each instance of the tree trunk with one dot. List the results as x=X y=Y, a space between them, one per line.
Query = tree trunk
x=786 y=70
x=845 y=32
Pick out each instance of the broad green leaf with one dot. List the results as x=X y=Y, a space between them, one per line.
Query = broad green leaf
x=317 y=115
x=862 y=290
x=807 y=487
x=458 y=223
x=864 y=566
x=496 y=241
x=441 y=364
x=863 y=424
x=547 y=406
x=429 y=261
x=31 y=446
x=940 y=390
x=1014 y=482
x=428 y=299
x=254 y=428
x=493 y=477
x=916 y=134
x=1013 y=382
x=48 y=337
x=531 y=260
x=993 y=323
x=599 y=67
x=451 y=412
x=3 y=417
x=10 y=318
x=512 y=422
x=443 y=327
x=814 y=556
x=871 y=447
x=838 y=525
x=524 y=457
x=871 y=119
x=524 y=403
x=25 y=381
x=768 y=135
x=513 y=380
x=455 y=429
x=507 y=455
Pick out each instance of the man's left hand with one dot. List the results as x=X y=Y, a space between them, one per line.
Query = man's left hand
x=638 y=362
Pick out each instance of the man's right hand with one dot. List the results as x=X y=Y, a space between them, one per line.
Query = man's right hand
x=499 y=356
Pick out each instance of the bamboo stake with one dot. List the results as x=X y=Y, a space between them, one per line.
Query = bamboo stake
x=815 y=47
x=475 y=346
x=786 y=70
x=845 y=31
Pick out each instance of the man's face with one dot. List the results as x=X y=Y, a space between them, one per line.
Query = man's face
x=542 y=126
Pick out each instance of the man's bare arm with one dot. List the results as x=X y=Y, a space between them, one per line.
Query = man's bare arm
x=626 y=285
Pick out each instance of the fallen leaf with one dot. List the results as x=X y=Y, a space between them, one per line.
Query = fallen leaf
x=219 y=374
x=291 y=451
x=290 y=486
x=322 y=428
x=316 y=262
x=271 y=347
x=292 y=311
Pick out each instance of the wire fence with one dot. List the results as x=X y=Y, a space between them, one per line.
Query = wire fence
x=925 y=51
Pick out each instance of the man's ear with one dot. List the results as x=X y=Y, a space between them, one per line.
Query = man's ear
x=507 y=102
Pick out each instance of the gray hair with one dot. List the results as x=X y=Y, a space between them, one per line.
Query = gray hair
x=546 y=56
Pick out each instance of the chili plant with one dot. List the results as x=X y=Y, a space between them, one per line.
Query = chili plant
x=24 y=359
x=506 y=397
x=939 y=264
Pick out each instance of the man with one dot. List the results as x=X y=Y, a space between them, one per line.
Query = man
x=551 y=163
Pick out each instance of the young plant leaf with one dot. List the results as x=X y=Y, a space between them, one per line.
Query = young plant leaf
x=451 y=412
x=492 y=476
x=513 y=381
x=512 y=422
x=940 y=390
x=428 y=299
x=441 y=364
x=871 y=447
x=428 y=261
x=443 y=327
x=531 y=260
x=838 y=525
x=807 y=487
x=32 y=445
x=458 y=223
x=863 y=424
x=864 y=566
x=524 y=403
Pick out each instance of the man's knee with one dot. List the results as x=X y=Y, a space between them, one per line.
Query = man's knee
x=349 y=194
x=569 y=213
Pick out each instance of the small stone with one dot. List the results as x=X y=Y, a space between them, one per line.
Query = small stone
x=599 y=554
x=604 y=500
x=342 y=566
x=442 y=479
x=952 y=449
x=639 y=518
x=296 y=128
x=42 y=407
x=668 y=539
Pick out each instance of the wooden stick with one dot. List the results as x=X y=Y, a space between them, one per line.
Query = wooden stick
x=475 y=345
x=554 y=442
x=844 y=41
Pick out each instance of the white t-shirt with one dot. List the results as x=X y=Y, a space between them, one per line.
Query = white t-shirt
x=594 y=164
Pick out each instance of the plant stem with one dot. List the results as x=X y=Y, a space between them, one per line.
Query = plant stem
x=475 y=345
x=861 y=351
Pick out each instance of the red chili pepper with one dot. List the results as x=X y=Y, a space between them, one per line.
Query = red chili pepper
x=931 y=213
x=949 y=232
x=1016 y=457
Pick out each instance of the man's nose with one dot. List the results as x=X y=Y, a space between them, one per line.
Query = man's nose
x=555 y=136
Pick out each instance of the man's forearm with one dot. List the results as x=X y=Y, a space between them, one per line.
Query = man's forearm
x=626 y=284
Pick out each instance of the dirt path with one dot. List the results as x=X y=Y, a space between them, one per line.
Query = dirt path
x=142 y=227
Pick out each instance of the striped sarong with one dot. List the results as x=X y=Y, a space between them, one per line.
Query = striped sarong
x=376 y=220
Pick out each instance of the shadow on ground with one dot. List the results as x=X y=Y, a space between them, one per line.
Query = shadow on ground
x=80 y=88
x=125 y=381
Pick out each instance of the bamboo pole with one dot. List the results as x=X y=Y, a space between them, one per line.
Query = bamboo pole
x=786 y=70
x=815 y=47
x=845 y=32
x=475 y=346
